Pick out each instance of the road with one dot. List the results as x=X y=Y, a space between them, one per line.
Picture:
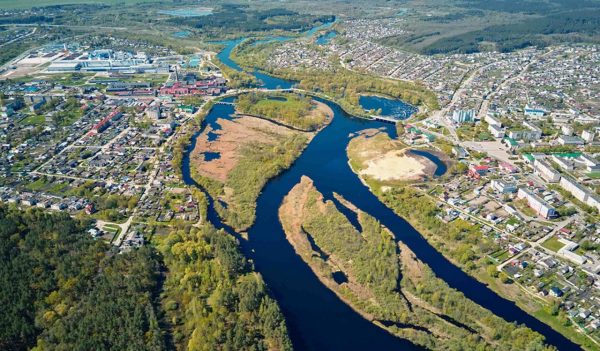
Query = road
x=486 y=101
x=19 y=38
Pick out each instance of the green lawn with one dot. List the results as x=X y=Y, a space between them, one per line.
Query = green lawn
x=594 y=175
x=34 y=120
x=553 y=244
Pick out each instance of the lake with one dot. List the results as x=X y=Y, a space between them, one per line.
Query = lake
x=326 y=38
x=389 y=107
x=188 y=12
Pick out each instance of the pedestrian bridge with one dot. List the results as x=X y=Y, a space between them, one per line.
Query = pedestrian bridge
x=385 y=119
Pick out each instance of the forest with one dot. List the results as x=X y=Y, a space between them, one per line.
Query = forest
x=62 y=290
x=580 y=25
x=213 y=299
x=235 y=18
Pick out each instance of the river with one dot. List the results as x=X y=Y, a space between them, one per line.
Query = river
x=316 y=318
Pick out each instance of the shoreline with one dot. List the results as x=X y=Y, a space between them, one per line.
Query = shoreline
x=478 y=274
x=202 y=179
x=301 y=245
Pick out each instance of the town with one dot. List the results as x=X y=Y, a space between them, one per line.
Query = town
x=91 y=132
x=94 y=128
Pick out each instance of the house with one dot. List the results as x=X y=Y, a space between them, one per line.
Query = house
x=556 y=292
x=503 y=187
x=507 y=167
x=477 y=171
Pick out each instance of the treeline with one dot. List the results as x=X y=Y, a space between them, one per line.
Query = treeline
x=213 y=299
x=60 y=289
x=392 y=286
x=579 y=25
x=233 y=18
x=39 y=19
x=346 y=87
x=529 y=7
x=286 y=108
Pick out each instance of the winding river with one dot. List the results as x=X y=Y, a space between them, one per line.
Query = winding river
x=316 y=318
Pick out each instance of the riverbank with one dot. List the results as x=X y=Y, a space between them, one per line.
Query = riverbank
x=293 y=110
x=458 y=241
x=383 y=280
x=235 y=156
x=325 y=160
x=375 y=155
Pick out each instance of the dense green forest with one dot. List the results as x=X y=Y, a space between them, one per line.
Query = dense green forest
x=388 y=284
x=62 y=290
x=286 y=108
x=236 y=18
x=212 y=298
x=580 y=25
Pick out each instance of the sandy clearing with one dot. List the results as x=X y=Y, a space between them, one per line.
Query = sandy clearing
x=397 y=165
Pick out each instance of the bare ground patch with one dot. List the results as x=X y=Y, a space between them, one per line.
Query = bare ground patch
x=233 y=136
x=374 y=154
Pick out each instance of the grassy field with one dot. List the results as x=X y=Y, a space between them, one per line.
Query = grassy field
x=553 y=244
x=34 y=120
x=594 y=175
x=14 y=4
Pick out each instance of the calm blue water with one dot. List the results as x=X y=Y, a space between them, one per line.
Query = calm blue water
x=441 y=166
x=317 y=319
x=268 y=81
x=183 y=34
x=389 y=107
x=326 y=38
x=209 y=156
x=191 y=12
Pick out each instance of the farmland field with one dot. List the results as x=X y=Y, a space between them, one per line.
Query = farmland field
x=13 y=4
